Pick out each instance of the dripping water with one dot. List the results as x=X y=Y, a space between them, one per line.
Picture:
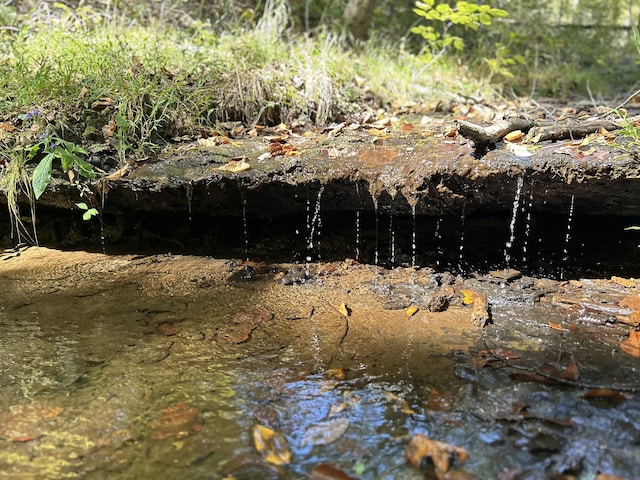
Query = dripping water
x=512 y=225
x=461 y=249
x=414 y=246
x=357 y=252
x=392 y=237
x=438 y=236
x=314 y=223
x=377 y=221
x=189 y=191
x=527 y=227
x=245 y=231
x=567 y=238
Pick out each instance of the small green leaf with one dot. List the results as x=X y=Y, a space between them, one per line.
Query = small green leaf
x=82 y=206
x=85 y=169
x=42 y=175
x=89 y=213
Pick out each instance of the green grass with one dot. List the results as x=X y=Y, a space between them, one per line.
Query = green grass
x=165 y=81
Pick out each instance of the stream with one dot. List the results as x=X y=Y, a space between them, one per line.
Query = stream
x=164 y=366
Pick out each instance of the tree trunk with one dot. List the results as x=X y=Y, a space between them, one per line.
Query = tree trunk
x=357 y=17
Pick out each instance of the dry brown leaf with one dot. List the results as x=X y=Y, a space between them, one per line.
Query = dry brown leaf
x=423 y=451
x=110 y=128
x=271 y=445
x=630 y=301
x=324 y=471
x=555 y=326
x=235 y=166
x=121 y=172
x=606 y=393
x=178 y=421
x=632 y=344
x=7 y=127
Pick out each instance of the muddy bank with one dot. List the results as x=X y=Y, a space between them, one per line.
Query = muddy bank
x=360 y=170
x=403 y=195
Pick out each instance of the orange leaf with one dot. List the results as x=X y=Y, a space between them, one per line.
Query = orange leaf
x=632 y=344
x=555 y=326
x=630 y=301
x=442 y=455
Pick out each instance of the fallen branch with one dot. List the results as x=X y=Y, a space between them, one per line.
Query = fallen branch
x=482 y=137
x=574 y=130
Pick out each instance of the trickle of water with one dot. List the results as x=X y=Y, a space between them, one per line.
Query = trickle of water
x=461 y=255
x=414 y=246
x=512 y=225
x=375 y=211
x=438 y=237
x=567 y=238
x=189 y=190
x=527 y=227
x=357 y=252
x=392 y=237
x=314 y=223
x=244 y=225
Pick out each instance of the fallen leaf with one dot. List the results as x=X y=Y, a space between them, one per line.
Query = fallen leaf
x=110 y=128
x=630 y=301
x=514 y=136
x=244 y=323
x=271 y=445
x=7 y=127
x=571 y=372
x=121 y=172
x=235 y=166
x=411 y=311
x=344 y=310
x=632 y=344
x=324 y=433
x=467 y=296
x=555 y=326
x=428 y=455
x=606 y=393
x=400 y=402
x=178 y=421
x=324 y=471
x=517 y=149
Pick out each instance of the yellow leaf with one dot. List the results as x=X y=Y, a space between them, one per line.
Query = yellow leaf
x=401 y=402
x=411 y=311
x=468 y=296
x=235 y=166
x=514 y=136
x=272 y=445
x=344 y=310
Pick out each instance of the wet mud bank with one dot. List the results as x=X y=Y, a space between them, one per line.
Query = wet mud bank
x=410 y=200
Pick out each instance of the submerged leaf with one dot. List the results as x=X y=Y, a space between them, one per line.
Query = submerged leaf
x=427 y=454
x=272 y=445
x=324 y=433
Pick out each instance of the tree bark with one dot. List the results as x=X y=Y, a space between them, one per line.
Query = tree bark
x=357 y=17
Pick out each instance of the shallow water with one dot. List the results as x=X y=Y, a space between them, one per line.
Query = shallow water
x=121 y=367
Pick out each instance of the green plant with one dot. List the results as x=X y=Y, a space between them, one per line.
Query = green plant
x=67 y=152
x=89 y=213
x=465 y=14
